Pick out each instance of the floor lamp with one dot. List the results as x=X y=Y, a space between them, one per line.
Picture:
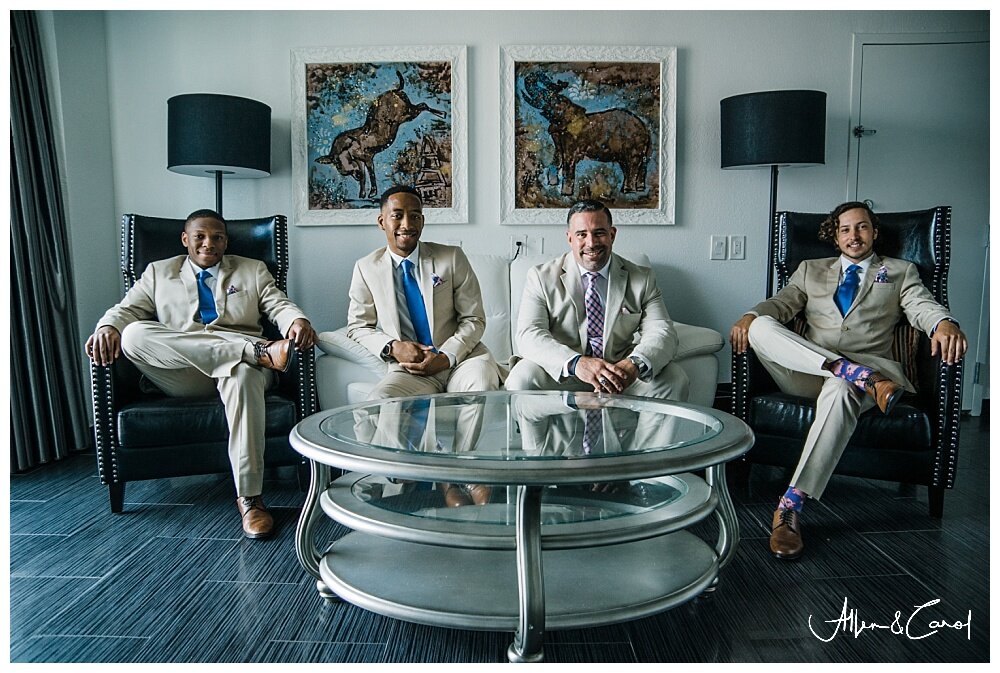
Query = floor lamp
x=218 y=135
x=772 y=129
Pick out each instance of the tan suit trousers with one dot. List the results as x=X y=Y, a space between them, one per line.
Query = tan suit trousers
x=796 y=364
x=192 y=364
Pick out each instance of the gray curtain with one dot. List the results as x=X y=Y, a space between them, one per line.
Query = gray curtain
x=48 y=413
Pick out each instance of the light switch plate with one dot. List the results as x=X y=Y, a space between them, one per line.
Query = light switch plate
x=718 y=249
x=737 y=247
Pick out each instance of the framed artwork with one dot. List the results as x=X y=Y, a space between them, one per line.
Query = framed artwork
x=587 y=122
x=367 y=118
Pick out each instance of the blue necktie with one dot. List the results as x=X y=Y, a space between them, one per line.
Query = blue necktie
x=206 y=302
x=415 y=305
x=847 y=289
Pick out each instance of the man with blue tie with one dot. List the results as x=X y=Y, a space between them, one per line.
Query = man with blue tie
x=192 y=325
x=418 y=307
x=852 y=304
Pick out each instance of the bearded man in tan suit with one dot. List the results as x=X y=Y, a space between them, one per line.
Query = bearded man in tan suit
x=625 y=344
x=191 y=325
x=852 y=304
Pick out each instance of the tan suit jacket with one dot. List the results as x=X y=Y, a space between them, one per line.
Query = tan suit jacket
x=167 y=292
x=552 y=320
x=865 y=334
x=454 y=302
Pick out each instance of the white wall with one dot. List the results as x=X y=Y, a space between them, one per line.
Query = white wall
x=152 y=56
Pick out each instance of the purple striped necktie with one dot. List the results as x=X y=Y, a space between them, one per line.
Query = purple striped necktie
x=595 y=315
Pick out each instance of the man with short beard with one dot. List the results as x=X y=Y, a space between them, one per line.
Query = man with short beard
x=593 y=321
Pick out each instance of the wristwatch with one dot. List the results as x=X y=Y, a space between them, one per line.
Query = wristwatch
x=387 y=351
x=639 y=364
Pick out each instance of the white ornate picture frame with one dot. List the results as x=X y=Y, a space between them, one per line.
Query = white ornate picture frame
x=366 y=118
x=587 y=122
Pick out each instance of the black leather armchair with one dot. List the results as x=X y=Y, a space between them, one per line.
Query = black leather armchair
x=142 y=435
x=918 y=442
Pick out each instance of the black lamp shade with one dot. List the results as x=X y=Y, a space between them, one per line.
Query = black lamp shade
x=774 y=128
x=212 y=132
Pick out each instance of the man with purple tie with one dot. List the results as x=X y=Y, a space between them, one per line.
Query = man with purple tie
x=591 y=320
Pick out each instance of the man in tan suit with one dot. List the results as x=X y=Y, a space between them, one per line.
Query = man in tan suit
x=380 y=315
x=852 y=304
x=419 y=308
x=191 y=325
x=593 y=321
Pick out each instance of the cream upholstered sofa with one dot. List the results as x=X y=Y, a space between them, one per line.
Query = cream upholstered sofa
x=346 y=372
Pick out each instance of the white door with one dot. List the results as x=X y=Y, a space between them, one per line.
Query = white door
x=928 y=104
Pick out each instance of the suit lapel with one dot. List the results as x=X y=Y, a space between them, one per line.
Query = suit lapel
x=384 y=294
x=832 y=283
x=427 y=283
x=617 y=280
x=869 y=280
x=190 y=284
x=574 y=290
x=226 y=268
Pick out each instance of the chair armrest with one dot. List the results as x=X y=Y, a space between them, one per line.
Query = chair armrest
x=300 y=383
x=939 y=394
x=749 y=380
x=102 y=390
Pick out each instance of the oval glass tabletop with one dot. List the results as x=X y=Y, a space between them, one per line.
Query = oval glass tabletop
x=504 y=437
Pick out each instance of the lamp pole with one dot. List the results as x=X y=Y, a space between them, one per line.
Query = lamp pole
x=770 y=232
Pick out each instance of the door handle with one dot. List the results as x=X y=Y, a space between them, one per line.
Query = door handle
x=861 y=131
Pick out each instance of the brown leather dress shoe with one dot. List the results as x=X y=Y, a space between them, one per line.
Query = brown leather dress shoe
x=455 y=495
x=257 y=521
x=885 y=392
x=276 y=355
x=786 y=538
x=480 y=493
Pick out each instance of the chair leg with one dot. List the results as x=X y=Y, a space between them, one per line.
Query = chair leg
x=117 y=492
x=935 y=496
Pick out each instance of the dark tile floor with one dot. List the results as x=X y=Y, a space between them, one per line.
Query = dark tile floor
x=172 y=580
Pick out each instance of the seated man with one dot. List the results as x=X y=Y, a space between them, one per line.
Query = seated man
x=418 y=306
x=852 y=304
x=592 y=321
x=191 y=325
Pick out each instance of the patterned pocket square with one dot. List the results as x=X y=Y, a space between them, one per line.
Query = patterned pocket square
x=436 y=280
x=232 y=290
x=883 y=275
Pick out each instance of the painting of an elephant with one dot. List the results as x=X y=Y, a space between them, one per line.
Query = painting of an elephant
x=615 y=135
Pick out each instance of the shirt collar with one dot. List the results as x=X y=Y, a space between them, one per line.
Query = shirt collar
x=413 y=257
x=195 y=269
x=603 y=271
x=864 y=264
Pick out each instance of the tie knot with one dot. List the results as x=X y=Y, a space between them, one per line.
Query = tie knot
x=591 y=277
x=853 y=269
x=204 y=274
x=407 y=265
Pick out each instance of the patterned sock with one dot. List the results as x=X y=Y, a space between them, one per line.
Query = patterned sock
x=793 y=499
x=850 y=371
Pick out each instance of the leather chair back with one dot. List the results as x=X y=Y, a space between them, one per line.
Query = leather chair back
x=921 y=236
x=147 y=239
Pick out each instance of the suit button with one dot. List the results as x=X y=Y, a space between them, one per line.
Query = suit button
x=844 y=328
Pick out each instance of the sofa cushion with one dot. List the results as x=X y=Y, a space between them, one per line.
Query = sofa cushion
x=494 y=283
x=337 y=343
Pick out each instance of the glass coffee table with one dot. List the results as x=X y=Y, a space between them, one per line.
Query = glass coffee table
x=520 y=511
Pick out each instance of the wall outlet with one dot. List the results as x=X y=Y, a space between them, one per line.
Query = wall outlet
x=518 y=242
x=718 y=249
x=737 y=247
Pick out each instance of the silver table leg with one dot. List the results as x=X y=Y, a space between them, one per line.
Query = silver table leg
x=527 y=645
x=305 y=532
x=725 y=513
